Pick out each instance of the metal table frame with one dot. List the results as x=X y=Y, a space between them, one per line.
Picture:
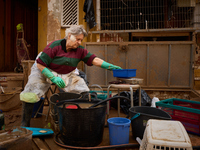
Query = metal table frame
x=123 y=86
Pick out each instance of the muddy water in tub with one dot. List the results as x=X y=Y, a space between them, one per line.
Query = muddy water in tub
x=81 y=105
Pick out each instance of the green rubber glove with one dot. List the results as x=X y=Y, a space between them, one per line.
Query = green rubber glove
x=57 y=80
x=109 y=66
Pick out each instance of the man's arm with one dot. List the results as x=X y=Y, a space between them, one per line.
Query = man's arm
x=41 y=67
x=97 y=61
x=103 y=64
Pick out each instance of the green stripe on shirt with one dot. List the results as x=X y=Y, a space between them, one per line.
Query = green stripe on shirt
x=66 y=61
x=45 y=58
x=55 y=43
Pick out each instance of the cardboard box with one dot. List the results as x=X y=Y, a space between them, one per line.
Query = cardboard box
x=15 y=82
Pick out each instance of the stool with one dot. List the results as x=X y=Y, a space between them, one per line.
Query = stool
x=46 y=97
x=123 y=86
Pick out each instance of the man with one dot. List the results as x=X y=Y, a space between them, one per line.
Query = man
x=57 y=64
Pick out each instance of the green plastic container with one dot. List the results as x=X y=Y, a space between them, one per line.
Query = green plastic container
x=102 y=94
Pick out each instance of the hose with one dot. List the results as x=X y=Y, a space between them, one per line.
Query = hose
x=196 y=147
x=132 y=145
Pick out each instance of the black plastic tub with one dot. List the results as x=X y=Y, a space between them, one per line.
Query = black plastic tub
x=145 y=113
x=82 y=127
x=58 y=97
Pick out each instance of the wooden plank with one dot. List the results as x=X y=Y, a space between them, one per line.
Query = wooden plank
x=15 y=78
x=197 y=72
x=40 y=144
x=34 y=146
x=11 y=74
x=50 y=142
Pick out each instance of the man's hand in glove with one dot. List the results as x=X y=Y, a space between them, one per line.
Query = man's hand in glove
x=109 y=66
x=57 y=80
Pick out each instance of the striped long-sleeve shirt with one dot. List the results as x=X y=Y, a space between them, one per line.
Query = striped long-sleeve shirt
x=55 y=57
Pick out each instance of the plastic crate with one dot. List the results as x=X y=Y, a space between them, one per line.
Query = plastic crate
x=124 y=73
x=185 y=111
x=165 y=135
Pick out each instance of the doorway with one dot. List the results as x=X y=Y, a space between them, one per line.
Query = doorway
x=15 y=12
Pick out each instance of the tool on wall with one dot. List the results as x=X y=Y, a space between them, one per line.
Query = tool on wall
x=21 y=47
x=2 y=90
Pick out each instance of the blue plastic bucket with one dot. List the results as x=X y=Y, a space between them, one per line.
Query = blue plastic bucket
x=118 y=130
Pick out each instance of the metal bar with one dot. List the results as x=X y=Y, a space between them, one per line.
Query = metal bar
x=124 y=86
x=141 y=43
x=156 y=88
x=106 y=59
x=159 y=87
x=172 y=87
x=191 y=64
x=37 y=112
x=140 y=102
x=85 y=66
x=118 y=102
x=148 y=30
x=131 y=90
x=169 y=64
x=98 y=18
x=108 y=90
x=126 y=60
x=147 y=65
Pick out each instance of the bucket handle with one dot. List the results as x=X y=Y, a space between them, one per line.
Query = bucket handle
x=88 y=95
x=96 y=85
x=135 y=116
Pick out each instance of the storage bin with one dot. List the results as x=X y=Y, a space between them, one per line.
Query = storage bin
x=10 y=99
x=16 y=138
x=165 y=135
x=15 y=81
x=124 y=73
x=185 y=111
x=145 y=113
